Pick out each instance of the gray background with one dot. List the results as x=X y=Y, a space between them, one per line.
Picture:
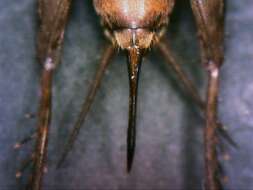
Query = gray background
x=169 y=143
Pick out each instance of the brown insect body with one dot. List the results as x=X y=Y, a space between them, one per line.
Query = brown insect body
x=134 y=23
x=134 y=26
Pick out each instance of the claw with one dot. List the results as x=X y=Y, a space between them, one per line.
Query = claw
x=134 y=66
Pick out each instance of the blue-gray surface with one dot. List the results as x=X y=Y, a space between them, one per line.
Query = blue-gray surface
x=169 y=144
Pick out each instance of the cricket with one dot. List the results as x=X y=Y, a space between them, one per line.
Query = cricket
x=134 y=27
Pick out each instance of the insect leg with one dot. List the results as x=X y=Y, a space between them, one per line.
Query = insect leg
x=190 y=87
x=105 y=61
x=170 y=59
x=209 y=16
x=53 y=18
x=210 y=136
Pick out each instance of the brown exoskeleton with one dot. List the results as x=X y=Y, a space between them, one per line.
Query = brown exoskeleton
x=134 y=26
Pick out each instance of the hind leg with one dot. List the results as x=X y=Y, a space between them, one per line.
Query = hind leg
x=53 y=18
x=209 y=16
